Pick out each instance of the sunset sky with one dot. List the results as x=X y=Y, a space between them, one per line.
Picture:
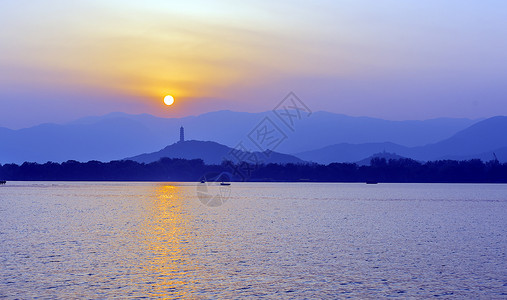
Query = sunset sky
x=61 y=60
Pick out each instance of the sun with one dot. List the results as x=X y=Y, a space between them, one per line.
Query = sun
x=168 y=100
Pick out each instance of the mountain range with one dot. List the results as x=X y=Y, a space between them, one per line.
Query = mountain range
x=482 y=140
x=322 y=137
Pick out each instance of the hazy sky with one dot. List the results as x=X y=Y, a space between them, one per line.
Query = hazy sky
x=60 y=60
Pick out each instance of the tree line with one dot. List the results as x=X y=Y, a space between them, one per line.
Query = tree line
x=167 y=169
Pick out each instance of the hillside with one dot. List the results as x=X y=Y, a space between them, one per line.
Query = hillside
x=212 y=153
x=348 y=152
x=483 y=137
x=480 y=140
x=386 y=155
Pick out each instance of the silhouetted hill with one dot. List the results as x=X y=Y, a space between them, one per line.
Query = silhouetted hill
x=104 y=140
x=348 y=152
x=483 y=137
x=119 y=135
x=385 y=155
x=322 y=129
x=478 y=141
x=211 y=153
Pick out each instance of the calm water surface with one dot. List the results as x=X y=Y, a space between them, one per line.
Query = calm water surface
x=157 y=240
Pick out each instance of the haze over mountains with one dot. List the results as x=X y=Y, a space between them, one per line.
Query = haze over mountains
x=480 y=140
x=323 y=137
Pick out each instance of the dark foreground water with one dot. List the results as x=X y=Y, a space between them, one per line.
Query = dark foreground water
x=158 y=240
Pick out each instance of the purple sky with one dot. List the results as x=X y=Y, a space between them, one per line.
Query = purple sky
x=61 y=60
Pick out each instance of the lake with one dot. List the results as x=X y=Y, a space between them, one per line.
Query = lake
x=271 y=240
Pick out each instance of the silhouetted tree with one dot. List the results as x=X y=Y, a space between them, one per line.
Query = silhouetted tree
x=166 y=169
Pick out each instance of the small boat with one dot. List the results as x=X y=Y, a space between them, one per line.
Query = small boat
x=371 y=182
x=224 y=183
x=203 y=181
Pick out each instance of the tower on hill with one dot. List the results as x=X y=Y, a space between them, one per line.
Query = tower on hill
x=182 y=134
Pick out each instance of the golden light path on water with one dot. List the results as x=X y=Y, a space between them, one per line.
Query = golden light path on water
x=167 y=236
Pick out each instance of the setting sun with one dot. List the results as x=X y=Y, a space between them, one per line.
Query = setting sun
x=168 y=100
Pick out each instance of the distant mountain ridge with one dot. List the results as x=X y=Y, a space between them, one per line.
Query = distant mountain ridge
x=120 y=135
x=480 y=140
x=214 y=154
x=346 y=152
x=485 y=136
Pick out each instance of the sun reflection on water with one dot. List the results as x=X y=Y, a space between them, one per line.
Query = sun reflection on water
x=167 y=236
